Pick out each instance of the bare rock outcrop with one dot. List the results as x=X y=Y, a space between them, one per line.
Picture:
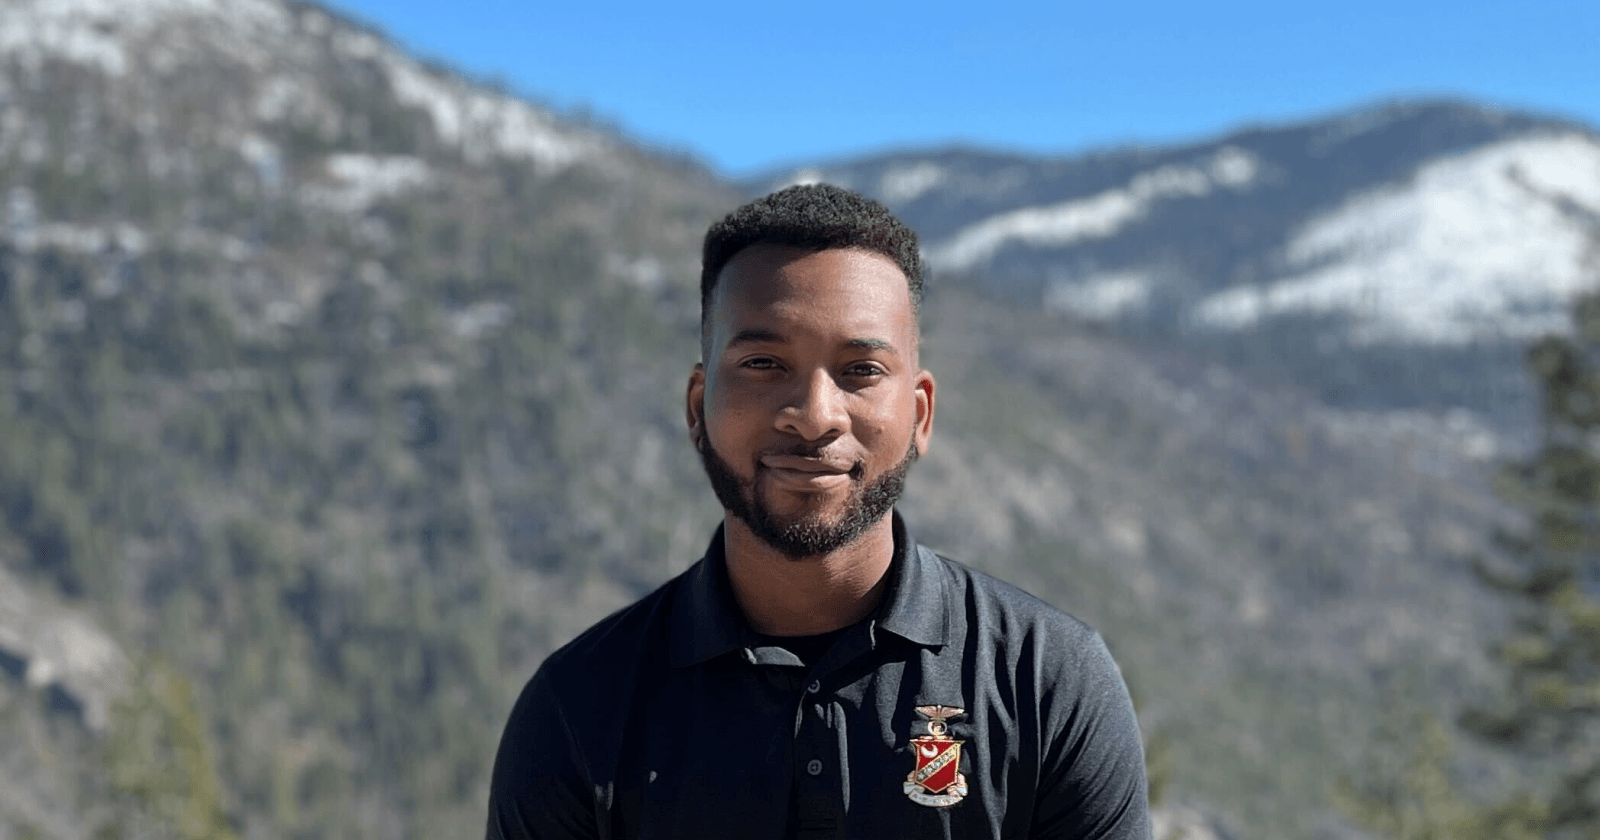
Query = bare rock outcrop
x=53 y=648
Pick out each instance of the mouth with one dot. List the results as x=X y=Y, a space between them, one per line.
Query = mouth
x=807 y=474
x=800 y=463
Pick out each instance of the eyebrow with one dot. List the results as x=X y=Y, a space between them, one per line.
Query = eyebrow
x=755 y=336
x=761 y=336
x=871 y=344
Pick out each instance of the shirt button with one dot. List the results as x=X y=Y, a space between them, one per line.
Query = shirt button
x=814 y=767
x=815 y=686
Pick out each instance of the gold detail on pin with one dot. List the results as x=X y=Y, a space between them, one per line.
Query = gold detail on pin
x=936 y=780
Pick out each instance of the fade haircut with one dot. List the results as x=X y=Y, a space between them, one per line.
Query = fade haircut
x=813 y=217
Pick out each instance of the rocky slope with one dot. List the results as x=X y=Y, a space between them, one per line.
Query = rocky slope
x=338 y=389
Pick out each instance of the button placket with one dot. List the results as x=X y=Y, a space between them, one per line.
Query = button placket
x=816 y=792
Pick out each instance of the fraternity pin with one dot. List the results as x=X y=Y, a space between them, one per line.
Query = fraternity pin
x=936 y=781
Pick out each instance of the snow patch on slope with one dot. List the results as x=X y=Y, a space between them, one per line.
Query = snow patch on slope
x=1488 y=245
x=94 y=32
x=480 y=123
x=128 y=37
x=1102 y=296
x=363 y=179
x=908 y=181
x=485 y=124
x=1096 y=216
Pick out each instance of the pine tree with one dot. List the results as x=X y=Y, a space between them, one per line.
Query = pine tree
x=1550 y=572
x=1549 y=715
x=160 y=763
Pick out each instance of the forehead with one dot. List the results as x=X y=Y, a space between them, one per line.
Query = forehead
x=844 y=287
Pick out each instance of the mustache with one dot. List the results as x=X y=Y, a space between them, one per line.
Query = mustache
x=800 y=449
x=812 y=451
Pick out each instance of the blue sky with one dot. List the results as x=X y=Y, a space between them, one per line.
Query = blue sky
x=749 y=86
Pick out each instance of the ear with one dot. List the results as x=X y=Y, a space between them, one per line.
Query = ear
x=923 y=389
x=694 y=404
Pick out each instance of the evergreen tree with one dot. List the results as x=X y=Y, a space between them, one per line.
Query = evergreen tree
x=1550 y=573
x=161 y=764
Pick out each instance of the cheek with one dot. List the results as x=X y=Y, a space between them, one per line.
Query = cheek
x=730 y=415
x=885 y=419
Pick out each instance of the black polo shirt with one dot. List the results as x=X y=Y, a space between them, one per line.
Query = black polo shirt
x=670 y=719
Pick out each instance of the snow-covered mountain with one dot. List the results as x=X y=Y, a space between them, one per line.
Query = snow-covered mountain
x=337 y=388
x=1485 y=245
x=280 y=49
x=1403 y=235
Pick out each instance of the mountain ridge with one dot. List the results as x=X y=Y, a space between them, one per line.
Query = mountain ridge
x=338 y=422
x=1264 y=247
x=757 y=182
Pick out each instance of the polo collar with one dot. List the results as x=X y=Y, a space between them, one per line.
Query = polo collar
x=707 y=622
x=916 y=603
x=706 y=618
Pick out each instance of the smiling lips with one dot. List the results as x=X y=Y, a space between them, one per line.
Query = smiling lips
x=805 y=473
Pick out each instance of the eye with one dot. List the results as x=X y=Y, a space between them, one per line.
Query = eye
x=867 y=369
x=759 y=363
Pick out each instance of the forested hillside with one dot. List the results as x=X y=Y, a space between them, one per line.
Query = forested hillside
x=336 y=425
x=337 y=389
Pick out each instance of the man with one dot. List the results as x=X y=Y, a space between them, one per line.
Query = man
x=818 y=673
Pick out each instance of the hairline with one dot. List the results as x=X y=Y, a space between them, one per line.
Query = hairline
x=806 y=250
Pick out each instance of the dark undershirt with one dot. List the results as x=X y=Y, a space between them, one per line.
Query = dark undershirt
x=808 y=648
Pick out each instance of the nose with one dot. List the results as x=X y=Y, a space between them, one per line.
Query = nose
x=816 y=409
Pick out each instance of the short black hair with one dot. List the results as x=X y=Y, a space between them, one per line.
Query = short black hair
x=814 y=217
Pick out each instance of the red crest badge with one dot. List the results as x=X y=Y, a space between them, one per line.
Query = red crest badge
x=936 y=779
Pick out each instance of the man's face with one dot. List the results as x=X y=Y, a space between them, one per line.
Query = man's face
x=810 y=404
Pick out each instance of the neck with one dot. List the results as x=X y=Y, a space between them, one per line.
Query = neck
x=785 y=597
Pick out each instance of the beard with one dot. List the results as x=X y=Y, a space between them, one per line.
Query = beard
x=807 y=534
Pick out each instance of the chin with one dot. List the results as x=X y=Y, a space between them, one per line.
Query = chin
x=801 y=525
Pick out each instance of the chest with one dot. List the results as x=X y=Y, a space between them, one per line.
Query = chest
x=912 y=745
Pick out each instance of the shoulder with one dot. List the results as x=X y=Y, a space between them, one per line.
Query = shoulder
x=996 y=608
x=1091 y=761
x=575 y=700
x=1063 y=659
x=560 y=740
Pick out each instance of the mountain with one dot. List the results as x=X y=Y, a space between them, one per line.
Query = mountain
x=1392 y=258
x=331 y=393
x=338 y=388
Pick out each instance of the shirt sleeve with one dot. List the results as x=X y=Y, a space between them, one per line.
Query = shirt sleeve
x=540 y=789
x=1092 y=785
